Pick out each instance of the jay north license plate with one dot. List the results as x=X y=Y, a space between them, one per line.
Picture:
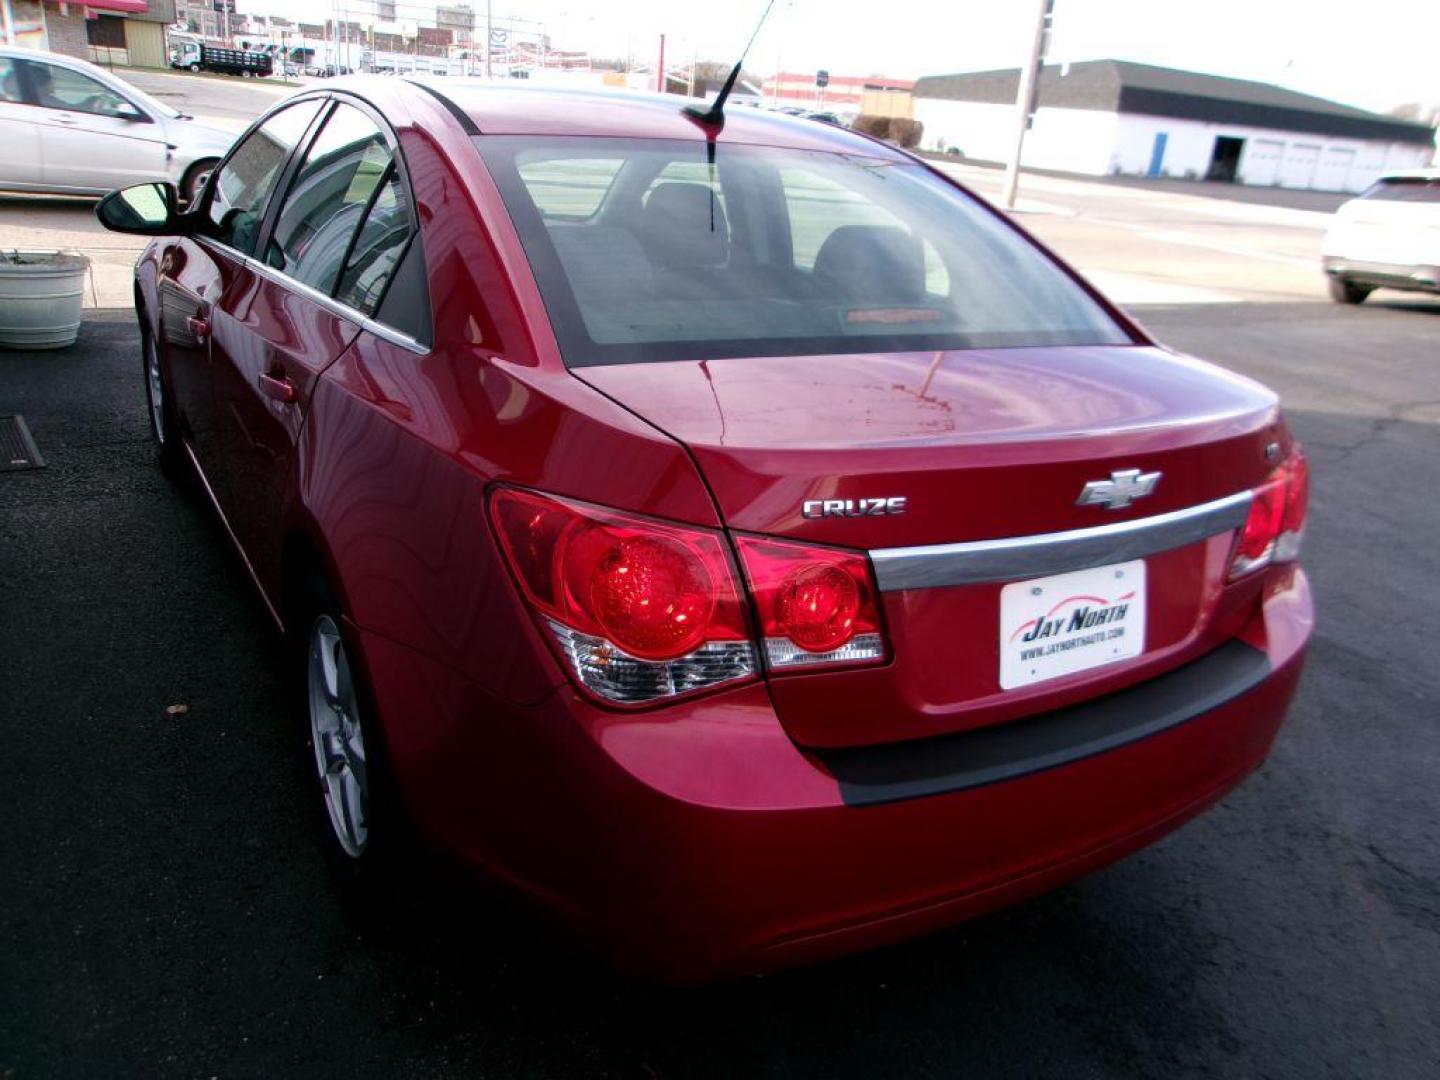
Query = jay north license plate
x=1059 y=625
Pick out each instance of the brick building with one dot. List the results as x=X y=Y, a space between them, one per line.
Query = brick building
x=105 y=31
x=844 y=93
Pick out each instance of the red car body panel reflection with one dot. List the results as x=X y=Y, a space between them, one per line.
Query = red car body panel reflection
x=743 y=827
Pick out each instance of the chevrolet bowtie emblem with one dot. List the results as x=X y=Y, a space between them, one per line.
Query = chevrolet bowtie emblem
x=1122 y=489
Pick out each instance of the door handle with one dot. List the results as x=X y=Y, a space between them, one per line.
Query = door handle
x=278 y=387
x=64 y=118
x=199 y=327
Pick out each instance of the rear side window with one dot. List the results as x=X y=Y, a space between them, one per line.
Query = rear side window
x=377 y=249
x=346 y=167
x=346 y=227
x=763 y=251
x=241 y=188
x=1405 y=189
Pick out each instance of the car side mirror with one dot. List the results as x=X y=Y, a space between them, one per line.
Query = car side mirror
x=148 y=209
x=127 y=111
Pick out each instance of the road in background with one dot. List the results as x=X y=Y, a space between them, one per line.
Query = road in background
x=1154 y=246
x=223 y=100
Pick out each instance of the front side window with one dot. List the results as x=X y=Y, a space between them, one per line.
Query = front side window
x=241 y=188
x=56 y=87
x=764 y=251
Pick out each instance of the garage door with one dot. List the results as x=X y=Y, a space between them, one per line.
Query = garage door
x=1262 y=161
x=1334 y=169
x=1298 y=169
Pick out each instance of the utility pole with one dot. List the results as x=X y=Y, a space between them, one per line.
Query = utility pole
x=1026 y=98
x=660 y=68
x=489 y=34
x=9 y=21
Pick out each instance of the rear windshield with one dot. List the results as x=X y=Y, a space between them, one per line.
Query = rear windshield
x=1405 y=189
x=649 y=250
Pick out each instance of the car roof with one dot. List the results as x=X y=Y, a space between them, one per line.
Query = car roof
x=541 y=110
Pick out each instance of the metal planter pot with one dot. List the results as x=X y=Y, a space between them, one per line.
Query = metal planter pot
x=40 y=297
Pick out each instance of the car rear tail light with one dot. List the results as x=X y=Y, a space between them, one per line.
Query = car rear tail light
x=1297 y=503
x=815 y=605
x=1276 y=521
x=639 y=609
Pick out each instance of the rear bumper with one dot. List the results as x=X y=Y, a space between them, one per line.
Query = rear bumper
x=702 y=841
x=1386 y=275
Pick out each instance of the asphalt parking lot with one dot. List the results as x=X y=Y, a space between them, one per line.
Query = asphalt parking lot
x=165 y=911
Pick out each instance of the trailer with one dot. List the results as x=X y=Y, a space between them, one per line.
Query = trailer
x=202 y=56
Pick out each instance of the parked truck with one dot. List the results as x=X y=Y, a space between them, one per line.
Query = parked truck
x=202 y=56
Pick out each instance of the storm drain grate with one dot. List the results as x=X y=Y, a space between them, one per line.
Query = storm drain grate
x=17 y=448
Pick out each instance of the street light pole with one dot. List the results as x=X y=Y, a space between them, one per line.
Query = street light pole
x=9 y=18
x=1025 y=100
x=489 y=34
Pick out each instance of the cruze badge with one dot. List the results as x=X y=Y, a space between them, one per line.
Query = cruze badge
x=823 y=508
x=1122 y=489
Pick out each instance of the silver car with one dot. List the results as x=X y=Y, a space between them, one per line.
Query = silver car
x=70 y=128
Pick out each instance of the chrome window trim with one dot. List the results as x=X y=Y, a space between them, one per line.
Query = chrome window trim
x=335 y=307
x=1018 y=558
x=329 y=303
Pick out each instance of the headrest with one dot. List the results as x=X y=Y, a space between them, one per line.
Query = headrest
x=871 y=264
x=684 y=225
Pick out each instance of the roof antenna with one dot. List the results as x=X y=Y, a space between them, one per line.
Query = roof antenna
x=714 y=116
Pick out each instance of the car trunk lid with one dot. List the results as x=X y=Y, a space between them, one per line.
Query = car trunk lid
x=982 y=446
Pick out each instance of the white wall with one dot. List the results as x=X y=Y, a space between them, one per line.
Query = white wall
x=1072 y=140
x=1097 y=143
x=1305 y=160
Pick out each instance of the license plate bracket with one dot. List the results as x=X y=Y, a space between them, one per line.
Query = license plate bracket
x=1067 y=623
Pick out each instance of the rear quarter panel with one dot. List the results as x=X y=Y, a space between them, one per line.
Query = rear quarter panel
x=400 y=448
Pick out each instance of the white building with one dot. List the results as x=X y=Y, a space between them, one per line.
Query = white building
x=1102 y=117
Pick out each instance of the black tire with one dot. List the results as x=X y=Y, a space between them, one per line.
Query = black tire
x=164 y=429
x=192 y=185
x=195 y=69
x=315 y=614
x=1343 y=291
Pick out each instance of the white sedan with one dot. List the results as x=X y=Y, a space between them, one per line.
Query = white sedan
x=70 y=128
x=1389 y=237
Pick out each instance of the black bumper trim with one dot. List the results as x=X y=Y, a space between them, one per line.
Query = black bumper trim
x=879 y=774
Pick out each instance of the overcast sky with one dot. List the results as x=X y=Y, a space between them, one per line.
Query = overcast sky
x=1373 y=53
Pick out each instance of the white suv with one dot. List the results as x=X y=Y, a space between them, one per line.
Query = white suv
x=70 y=128
x=1388 y=237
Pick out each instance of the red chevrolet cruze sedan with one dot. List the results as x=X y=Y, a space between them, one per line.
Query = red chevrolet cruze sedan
x=736 y=537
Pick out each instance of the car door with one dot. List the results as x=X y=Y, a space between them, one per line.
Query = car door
x=19 y=130
x=341 y=229
x=92 y=138
x=205 y=278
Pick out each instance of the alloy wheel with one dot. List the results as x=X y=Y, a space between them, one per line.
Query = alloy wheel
x=337 y=738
